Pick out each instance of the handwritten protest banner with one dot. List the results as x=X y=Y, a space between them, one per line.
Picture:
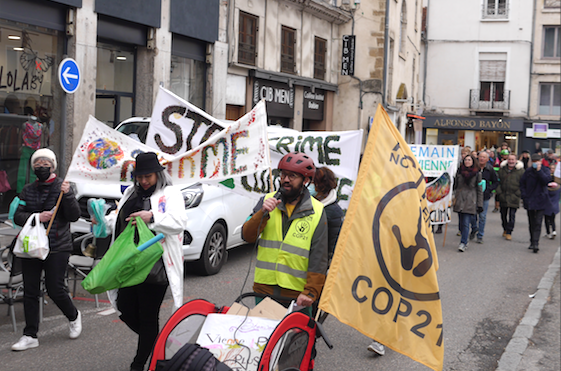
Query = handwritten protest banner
x=337 y=150
x=107 y=156
x=440 y=162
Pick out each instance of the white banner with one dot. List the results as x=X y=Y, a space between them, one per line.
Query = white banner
x=337 y=150
x=434 y=160
x=107 y=156
x=440 y=162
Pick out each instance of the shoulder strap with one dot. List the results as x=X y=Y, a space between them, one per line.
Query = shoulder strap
x=200 y=360
x=180 y=357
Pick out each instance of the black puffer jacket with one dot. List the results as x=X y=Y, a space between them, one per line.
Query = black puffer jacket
x=39 y=196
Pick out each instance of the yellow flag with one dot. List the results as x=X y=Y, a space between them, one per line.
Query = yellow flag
x=382 y=281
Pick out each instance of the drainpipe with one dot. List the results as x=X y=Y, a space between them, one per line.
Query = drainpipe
x=531 y=60
x=386 y=54
x=426 y=54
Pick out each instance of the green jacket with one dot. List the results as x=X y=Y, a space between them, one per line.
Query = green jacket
x=508 y=191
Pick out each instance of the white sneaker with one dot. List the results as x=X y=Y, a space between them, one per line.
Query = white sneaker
x=553 y=234
x=377 y=348
x=462 y=247
x=25 y=342
x=75 y=326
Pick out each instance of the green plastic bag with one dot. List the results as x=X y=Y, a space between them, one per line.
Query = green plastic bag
x=123 y=265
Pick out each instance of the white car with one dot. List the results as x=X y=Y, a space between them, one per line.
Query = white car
x=215 y=215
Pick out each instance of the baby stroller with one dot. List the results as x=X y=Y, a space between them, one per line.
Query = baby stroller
x=290 y=347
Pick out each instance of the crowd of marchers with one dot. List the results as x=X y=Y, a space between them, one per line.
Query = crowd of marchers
x=526 y=181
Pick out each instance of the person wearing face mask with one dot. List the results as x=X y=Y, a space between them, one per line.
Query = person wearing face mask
x=41 y=197
x=508 y=192
x=292 y=254
x=533 y=189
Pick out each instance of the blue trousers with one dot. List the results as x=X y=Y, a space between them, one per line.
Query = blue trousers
x=482 y=219
x=465 y=221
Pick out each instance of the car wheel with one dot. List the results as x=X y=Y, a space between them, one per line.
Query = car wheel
x=214 y=252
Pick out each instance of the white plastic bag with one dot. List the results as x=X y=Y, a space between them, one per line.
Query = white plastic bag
x=32 y=241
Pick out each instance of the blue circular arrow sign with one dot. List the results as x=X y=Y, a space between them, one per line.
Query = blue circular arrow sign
x=69 y=75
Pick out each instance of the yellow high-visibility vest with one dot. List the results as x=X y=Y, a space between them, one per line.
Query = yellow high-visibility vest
x=284 y=262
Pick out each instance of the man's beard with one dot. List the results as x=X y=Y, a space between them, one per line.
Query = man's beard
x=291 y=193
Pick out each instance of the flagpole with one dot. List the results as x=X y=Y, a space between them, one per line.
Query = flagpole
x=445 y=231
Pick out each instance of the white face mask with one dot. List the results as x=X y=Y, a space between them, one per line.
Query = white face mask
x=312 y=190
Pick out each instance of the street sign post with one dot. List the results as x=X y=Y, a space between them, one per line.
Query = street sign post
x=69 y=75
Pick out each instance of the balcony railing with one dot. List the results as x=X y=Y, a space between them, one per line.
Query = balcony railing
x=495 y=10
x=493 y=104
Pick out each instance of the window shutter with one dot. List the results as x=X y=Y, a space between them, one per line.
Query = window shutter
x=492 y=70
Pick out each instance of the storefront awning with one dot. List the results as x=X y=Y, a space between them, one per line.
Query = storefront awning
x=292 y=79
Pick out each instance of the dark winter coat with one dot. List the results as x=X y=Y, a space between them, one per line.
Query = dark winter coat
x=533 y=188
x=508 y=191
x=335 y=216
x=492 y=182
x=469 y=196
x=38 y=197
x=553 y=207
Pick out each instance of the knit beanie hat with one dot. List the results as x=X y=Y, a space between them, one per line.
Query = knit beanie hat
x=44 y=153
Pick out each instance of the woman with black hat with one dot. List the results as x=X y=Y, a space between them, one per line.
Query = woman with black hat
x=160 y=205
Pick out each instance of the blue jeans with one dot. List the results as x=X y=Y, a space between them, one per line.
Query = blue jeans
x=482 y=219
x=465 y=221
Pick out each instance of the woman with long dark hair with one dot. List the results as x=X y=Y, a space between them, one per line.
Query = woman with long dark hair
x=469 y=196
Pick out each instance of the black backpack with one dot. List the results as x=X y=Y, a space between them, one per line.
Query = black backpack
x=192 y=357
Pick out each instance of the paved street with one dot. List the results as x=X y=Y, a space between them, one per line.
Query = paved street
x=485 y=295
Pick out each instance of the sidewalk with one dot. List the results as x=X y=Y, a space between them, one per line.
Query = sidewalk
x=536 y=342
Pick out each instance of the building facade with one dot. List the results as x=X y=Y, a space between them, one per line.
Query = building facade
x=477 y=72
x=542 y=129
x=125 y=50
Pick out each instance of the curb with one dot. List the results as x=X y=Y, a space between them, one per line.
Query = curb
x=517 y=345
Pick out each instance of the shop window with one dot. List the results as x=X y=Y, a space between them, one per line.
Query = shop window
x=319 y=58
x=550 y=99
x=288 y=44
x=551 y=42
x=188 y=79
x=495 y=9
x=247 y=43
x=30 y=112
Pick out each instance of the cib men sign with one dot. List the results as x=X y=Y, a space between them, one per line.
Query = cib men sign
x=348 y=57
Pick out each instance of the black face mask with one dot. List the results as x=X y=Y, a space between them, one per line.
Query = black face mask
x=43 y=173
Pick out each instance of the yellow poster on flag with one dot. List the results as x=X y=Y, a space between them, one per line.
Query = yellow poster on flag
x=382 y=280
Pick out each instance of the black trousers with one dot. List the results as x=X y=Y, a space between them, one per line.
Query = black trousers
x=535 y=218
x=140 y=309
x=549 y=223
x=55 y=272
x=508 y=217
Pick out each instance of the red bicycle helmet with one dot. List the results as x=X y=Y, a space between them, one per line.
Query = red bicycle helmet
x=298 y=162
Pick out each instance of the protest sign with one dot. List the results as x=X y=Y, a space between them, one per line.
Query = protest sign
x=107 y=156
x=440 y=162
x=337 y=150
x=382 y=280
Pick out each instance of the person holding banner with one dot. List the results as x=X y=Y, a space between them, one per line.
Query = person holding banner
x=469 y=197
x=161 y=207
x=41 y=197
x=292 y=252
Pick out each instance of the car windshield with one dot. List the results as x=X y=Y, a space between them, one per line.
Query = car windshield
x=136 y=130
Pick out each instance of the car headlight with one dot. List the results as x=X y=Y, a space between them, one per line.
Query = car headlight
x=193 y=195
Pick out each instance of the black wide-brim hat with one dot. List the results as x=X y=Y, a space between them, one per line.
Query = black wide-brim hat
x=147 y=163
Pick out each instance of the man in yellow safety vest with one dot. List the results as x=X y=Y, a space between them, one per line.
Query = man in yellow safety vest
x=292 y=252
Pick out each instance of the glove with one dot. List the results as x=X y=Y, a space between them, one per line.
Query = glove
x=479 y=210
